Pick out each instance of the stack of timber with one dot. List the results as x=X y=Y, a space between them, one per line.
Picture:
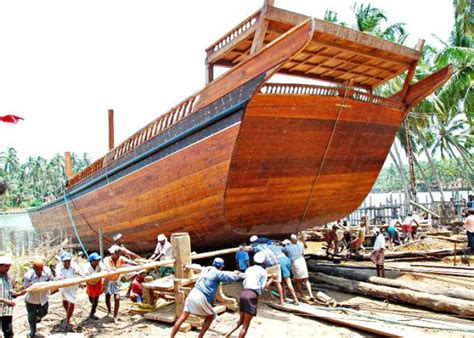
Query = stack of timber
x=432 y=296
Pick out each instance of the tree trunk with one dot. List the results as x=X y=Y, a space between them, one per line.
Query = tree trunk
x=399 y=166
x=425 y=179
x=422 y=299
x=435 y=289
x=435 y=171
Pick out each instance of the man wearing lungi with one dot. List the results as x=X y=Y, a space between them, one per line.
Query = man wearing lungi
x=200 y=299
x=113 y=262
x=378 y=255
x=295 y=250
x=65 y=270
x=94 y=288
x=256 y=280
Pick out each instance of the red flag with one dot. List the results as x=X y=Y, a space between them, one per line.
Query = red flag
x=11 y=118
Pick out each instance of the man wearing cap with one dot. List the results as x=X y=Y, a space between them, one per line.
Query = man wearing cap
x=6 y=294
x=113 y=262
x=200 y=299
x=295 y=252
x=37 y=302
x=94 y=288
x=377 y=256
x=163 y=251
x=65 y=270
x=256 y=280
x=118 y=240
x=270 y=263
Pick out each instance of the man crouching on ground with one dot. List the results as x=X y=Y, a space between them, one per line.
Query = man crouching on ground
x=201 y=297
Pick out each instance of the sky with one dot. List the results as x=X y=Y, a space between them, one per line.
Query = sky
x=64 y=63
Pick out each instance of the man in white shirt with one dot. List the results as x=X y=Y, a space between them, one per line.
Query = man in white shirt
x=378 y=253
x=36 y=302
x=163 y=251
x=65 y=270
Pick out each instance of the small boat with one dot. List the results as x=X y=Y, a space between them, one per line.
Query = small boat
x=246 y=155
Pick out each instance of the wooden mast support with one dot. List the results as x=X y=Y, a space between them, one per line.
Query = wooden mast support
x=111 y=129
x=68 y=164
x=262 y=26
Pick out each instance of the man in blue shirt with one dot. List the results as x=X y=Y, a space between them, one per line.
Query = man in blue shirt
x=242 y=259
x=200 y=299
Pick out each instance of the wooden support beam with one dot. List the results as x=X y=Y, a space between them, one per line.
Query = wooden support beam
x=181 y=244
x=209 y=72
x=411 y=71
x=111 y=129
x=68 y=164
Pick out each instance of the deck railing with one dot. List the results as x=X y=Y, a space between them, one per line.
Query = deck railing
x=151 y=130
x=304 y=89
x=234 y=33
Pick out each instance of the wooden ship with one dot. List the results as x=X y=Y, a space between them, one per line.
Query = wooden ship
x=246 y=155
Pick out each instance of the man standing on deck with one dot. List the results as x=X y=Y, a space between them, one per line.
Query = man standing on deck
x=36 y=302
x=65 y=270
x=6 y=294
x=295 y=251
x=200 y=299
x=113 y=262
x=118 y=240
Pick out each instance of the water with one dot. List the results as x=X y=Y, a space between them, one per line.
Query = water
x=17 y=234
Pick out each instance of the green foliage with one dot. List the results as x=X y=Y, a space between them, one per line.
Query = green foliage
x=450 y=172
x=35 y=181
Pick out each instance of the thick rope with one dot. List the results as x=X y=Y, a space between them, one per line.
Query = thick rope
x=74 y=225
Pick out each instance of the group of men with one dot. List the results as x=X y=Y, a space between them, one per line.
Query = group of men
x=272 y=264
x=37 y=302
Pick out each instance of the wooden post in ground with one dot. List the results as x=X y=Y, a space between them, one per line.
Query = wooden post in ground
x=181 y=244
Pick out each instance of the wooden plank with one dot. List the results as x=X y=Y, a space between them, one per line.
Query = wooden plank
x=306 y=310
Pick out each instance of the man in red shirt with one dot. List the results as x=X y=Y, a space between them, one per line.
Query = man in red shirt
x=137 y=294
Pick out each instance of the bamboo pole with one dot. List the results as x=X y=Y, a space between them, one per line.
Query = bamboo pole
x=79 y=280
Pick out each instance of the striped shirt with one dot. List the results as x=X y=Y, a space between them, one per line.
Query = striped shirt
x=277 y=250
x=6 y=289
x=294 y=251
x=270 y=258
x=37 y=297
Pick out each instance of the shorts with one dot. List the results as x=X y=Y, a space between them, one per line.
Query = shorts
x=285 y=267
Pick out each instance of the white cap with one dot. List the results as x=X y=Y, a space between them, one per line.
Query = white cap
x=253 y=238
x=293 y=236
x=161 y=237
x=259 y=257
x=114 y=249
x=116 y=237
x=285 y=242
x=376 y=230
x=5 y=260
